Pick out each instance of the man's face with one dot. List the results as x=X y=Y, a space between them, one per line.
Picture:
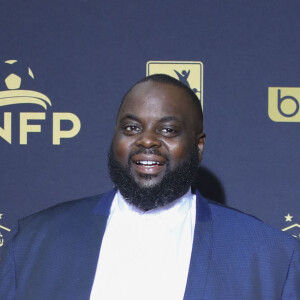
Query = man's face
x=157 y=128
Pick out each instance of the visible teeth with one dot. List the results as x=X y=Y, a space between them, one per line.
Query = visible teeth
x=147 y=162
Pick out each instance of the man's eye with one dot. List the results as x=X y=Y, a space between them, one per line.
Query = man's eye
x=131 y=129
x=168 y=131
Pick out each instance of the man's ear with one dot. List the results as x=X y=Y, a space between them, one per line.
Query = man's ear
x=200 y=144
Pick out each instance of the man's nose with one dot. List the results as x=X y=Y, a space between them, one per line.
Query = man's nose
x=148 y=140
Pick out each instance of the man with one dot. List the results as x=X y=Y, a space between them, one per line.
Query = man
x=152 y=237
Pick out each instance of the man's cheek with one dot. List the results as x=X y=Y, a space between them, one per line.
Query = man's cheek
x=178 y=154
x=121 y=152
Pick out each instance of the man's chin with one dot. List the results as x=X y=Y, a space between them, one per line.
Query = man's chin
x=147 y=180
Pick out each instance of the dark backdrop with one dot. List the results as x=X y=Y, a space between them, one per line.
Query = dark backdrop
x=85 y=54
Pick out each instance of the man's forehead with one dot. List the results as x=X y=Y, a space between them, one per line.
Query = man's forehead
x=161 y=94
x=148 y=87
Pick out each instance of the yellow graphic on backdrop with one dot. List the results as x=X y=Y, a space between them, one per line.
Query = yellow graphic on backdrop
x=283 y=104
x=15 y=96
x=288 y=218
x=188 y=72
x=1 y=235
x=29 y=122
x=293 y=229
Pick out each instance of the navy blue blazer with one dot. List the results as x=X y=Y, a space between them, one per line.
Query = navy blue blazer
x=235 y=256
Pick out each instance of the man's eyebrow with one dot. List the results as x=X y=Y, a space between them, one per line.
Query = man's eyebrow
x=171 y=118
x=131 y=117
x=135 y=118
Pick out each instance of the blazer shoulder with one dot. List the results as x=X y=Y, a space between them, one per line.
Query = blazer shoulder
x=63 y=211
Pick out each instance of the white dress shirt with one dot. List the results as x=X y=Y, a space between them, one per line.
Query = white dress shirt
x=145 y=255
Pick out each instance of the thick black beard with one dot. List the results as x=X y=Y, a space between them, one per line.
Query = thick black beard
x=173 y=185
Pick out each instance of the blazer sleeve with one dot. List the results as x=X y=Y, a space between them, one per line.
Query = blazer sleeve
x=291 y=288
x=7 y=272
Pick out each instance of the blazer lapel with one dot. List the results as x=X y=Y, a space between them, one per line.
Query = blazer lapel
x=103 y=207
x=88 y=259
x=201 y=251
x=97 y=229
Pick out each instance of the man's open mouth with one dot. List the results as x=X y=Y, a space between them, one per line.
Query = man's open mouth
x=149 y=163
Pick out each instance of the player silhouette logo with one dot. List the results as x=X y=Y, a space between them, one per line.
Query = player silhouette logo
x=183 y=77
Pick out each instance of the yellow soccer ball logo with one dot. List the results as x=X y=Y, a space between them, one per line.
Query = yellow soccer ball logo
x=13 y=81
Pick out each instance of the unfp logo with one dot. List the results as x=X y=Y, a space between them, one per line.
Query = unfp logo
x=14 y=77
x=283 y=104
x=188 y=72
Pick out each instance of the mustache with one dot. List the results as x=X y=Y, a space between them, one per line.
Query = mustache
x=147 y=152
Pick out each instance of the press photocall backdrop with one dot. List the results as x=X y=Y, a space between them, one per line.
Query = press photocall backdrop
x=65 y=65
